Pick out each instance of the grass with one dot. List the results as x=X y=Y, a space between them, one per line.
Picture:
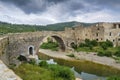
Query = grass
x=33 y=72
x=50 y=45
x=114 y=78
x=43 y=72
x=71 y=55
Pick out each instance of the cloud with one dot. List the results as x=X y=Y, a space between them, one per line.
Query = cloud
x=33 y=6
x=53 y=11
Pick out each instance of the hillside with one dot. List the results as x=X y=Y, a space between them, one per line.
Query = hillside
x=13 y=28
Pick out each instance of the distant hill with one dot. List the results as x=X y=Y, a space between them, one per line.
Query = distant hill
x=13 y=28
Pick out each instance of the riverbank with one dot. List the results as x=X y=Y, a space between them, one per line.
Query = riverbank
x=83 y=56
x=92 y=56
x=81 y=66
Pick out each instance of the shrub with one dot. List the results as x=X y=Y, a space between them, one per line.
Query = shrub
x=117 y=53
x=106 y=53
x=91 y=47
x=82 y=45
x=89 y=43
x=100 y=53
x=63 y=72
x=32 y=61
x=104 y=46
x=74 y=46
x=94 y=43
x=109 y=43
x=43 y=64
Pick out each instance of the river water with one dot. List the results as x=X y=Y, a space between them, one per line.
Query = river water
x=87 y=70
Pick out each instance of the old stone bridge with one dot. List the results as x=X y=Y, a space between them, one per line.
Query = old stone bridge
x=27 y=44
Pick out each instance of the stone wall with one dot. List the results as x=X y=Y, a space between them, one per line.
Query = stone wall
x=4 y=41
x=99 y=32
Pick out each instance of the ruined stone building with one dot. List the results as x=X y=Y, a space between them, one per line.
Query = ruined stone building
x=99 y=32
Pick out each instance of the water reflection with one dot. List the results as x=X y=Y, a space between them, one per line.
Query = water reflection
x=86 y=76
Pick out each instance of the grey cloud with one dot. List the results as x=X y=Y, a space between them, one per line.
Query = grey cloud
x=33 y=6
x=39 y=6
x=61 y=10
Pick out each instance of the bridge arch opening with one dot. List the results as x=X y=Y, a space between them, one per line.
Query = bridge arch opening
x=31 y=50
x=22 y=58
x=60 y=42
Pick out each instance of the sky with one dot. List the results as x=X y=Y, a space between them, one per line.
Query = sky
x=44 y=12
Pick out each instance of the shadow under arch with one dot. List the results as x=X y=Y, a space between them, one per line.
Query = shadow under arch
x=22 y=58
x=60 y=42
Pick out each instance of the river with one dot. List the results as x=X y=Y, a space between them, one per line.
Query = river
x=87 y=70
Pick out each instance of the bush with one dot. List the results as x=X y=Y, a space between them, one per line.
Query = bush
x=106 y=53
x=82 y=45
x=73 y=45
x=32 y=61
x=104 y=46
x=109 y=43
x=43 y=64
x=91 y=47
x=94 y=43
x=100 y=53
x=117 y=53
x=63 y=72
x=89 y=43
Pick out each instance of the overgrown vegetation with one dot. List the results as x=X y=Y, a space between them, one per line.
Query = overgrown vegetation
x=50 y=45
x=71 y=55
x=104 y=48
x=114 y=78
x=44 y=71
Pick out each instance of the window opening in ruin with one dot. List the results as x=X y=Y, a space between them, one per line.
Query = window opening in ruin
x=110 y=34
x=119 y=39
x=31 y=50
x=113 y=40
x=97 y=39
x=114 y=26
x=98 y=28
x=119 y=25
x=96 y=34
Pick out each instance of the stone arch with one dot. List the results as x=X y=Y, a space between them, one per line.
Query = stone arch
x=60 y=42
x=31 y=50
x=58 y=39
